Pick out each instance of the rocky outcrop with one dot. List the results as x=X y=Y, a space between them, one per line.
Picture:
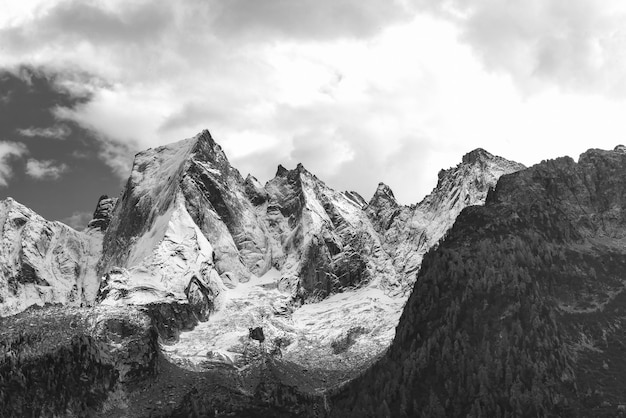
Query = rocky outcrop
x=518 y=312
x=43 y=262
x=383 y=208
x=102 y=214
x=170 y=319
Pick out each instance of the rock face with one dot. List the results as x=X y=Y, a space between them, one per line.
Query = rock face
x=408 y=232
x=102 y=214
x=519 y=311
x=43 y=262
x=322 y=241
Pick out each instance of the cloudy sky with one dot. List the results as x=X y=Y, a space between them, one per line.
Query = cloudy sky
x=358 y=91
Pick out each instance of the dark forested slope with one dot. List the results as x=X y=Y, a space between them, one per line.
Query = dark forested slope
x=521 y=310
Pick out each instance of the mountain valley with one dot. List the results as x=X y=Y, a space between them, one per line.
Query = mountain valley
x=497 y=307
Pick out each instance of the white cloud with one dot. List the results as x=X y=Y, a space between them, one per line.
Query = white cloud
x=386 y=96
x=45 y=169
x=9 y=151
x=575 y=44
x=78 y=220
x=52 y=132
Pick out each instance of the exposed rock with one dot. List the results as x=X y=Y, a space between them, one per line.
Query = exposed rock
x=189 y=237
x=321 y=237
x=255 y=191
x=102 y=214
x=383 y=208
x=171 y=318
x=43 y=262
x=409 y=232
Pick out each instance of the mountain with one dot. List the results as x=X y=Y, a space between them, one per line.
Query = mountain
x=324 y=272
x=409 y=232
x=519 y=310
x=323 y=240
x=207 y=255
x=44 y=262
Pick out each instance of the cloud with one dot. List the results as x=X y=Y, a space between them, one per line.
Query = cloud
x=357 y=91
x=78 y=220
x=70 y=21
x=9 y=152
x=576 y=44
x=45 y=169
x=52 y=132
x=308 y=19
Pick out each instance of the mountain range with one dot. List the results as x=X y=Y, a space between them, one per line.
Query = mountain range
x=189 y=229
x=497 y=307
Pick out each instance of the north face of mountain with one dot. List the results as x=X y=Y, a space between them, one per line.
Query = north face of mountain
x=519 y=311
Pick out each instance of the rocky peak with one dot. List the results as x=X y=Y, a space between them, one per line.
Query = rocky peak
x=384 y=192
x=102 y=214
x=206 y=150
x=468 y=183
x=205 y=136
x=281 y=171
x=477 y=155
x=255 y=191
x=409 y=232
x=382 y=208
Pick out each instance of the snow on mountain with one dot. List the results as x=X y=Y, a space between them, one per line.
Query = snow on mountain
x=44 y=262
x=323 y=272
x=323 y=241
x=182 y=227
x=334 y=296
x=409 y=232
x=177 y=268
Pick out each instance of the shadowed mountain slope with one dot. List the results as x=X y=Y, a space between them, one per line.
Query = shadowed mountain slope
x=520 y=309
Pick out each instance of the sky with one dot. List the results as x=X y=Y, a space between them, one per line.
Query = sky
x=358 y=91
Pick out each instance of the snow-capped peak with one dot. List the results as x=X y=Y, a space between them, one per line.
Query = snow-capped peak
x=188 y=228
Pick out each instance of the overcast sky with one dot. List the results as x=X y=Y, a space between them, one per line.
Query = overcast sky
x=359 y=91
